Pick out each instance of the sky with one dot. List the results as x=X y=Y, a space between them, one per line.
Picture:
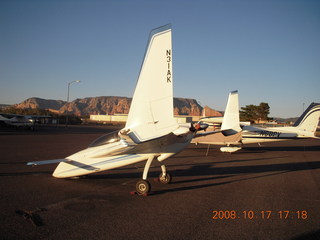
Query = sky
x=267 y=50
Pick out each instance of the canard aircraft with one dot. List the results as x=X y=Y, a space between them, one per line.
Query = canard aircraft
x=234 y=134
x=151 y=132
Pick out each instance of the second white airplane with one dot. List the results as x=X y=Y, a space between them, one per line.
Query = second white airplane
x=234 y=134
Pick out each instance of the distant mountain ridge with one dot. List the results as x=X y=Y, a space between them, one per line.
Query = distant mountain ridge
x=109 y=105
x=41 y=103
x=4 y=105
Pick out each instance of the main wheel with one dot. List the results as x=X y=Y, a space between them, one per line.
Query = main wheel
x=143 y=187
x=166 y=179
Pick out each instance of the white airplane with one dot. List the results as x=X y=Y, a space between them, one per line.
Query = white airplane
x=304 y=127
x=234 y=134
x=16 y=120
x=151 y=132
x=230 y=132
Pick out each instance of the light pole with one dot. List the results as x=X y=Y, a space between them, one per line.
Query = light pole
x=69 y=83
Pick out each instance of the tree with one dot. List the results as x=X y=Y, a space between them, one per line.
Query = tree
x=263 y=111
x=254 y=113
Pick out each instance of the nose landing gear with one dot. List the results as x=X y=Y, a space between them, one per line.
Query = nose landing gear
x=143 y=187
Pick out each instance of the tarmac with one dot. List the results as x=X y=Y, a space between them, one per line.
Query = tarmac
x=267 y=192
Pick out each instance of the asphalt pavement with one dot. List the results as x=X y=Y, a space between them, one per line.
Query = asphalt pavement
x=267 y=192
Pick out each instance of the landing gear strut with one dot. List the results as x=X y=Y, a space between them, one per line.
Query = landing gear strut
x=143 y=187
x=165 y=177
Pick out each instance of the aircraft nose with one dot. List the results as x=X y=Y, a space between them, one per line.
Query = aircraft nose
x=58 y=171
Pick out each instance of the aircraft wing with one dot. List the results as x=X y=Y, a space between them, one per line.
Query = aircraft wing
x=217 y=138
x=45 y=162
x=202 y=134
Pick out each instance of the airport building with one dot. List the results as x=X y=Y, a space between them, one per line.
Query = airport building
x=122 y=118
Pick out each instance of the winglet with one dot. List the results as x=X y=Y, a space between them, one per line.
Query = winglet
x=151 y=111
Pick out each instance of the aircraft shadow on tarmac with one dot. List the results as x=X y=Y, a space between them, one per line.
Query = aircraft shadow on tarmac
x=228 y=172
x=262 y=149
x=59 y=130
x=12 y=174
x=280 y=148
x=207 y=172
x=200 y=172
x=309 y=236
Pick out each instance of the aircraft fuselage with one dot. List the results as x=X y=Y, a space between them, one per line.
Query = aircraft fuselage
x=118 y=154
x=255 y=135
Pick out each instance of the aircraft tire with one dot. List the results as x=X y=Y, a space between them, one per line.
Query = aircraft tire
x=143 y=187
x=165 y=180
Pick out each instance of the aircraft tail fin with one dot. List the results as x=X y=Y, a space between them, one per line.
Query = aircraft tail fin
x=308 y=122
x=231 y=120
x=151 y=111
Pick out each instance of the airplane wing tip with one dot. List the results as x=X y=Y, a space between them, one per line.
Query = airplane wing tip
x=36 y=163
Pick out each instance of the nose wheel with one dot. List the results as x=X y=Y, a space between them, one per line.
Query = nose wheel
x=143 y=187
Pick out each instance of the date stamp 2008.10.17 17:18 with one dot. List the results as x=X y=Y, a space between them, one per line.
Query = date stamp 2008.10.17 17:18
x=262 y=214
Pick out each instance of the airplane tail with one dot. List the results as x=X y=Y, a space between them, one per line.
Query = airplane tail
x=151 y=111
x=231 y=120
x=307 y=123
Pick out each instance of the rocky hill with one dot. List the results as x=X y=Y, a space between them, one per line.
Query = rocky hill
x=98 y=105
x=41 y=103
x=110 y=105
x=4 y=106
x=186 y=106
x=209 y=112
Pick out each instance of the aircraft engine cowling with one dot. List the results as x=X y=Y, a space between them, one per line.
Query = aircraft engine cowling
x=199 y=126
